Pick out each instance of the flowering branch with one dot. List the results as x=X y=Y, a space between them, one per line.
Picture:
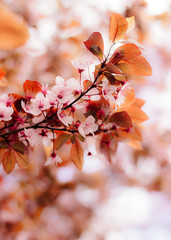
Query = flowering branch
x=108 y=105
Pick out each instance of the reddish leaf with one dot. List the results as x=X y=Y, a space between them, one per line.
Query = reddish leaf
x=112 y=68
x=2 y=73
x=31 y=88
x=95 y=44
x=128 y=50
x=137 y=65
x=8 y=161
x=61 y=140
x=108 y=146
x=117 y=27
x=87 y=84
x=13 y=29
x=21 y=159
x=2 y=151
x=121 y=119
x=77 y=154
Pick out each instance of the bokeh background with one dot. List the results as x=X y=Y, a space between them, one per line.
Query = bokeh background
x=129 y=199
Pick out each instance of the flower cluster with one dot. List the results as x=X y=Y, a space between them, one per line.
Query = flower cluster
x=73 y=109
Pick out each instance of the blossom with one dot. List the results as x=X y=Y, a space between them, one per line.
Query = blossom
x=54 y=159
x=89 y=126
x=121 y=97
x=82 y=63
x=108 y=90
x=45 y=136
x=5 y=112
x=66 y=120
x=62 y=91
x=8 y=100
x=28 y=135
x=37 y=105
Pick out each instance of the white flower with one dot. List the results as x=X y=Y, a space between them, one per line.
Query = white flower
x=89 y=126
x=63 y=91
x=82 y=63
x=5 y=112
x=54 y=159
x=66 y=120
x=108 y=90
x=37 y=105
x=8 y=100
x=45 y=136
x=123 y=94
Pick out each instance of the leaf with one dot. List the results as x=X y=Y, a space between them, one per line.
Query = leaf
x=137 y=65
x=95 y=44
x=117 y=27
x=21 y=159
x=132 y=134
x=128 y=50
x=31 y=88
x=13 y=29
x=2 y=151
x=19 y=147
x=136 y=114
x=2 y=73
x=121 y=119
x=61 y=140
x=112 y=68
x=139 y=102
x=135 y=144
x=87 y=84
x=8 y=161
x=131 y=23
x=77 y=154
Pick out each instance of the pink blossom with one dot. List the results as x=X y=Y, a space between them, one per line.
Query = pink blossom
x=122 y=94
x=89 y=126
x=45 y=136
x=66 y=120
x=37 y=105
x=108 y=90
x=8 y=100
x=54 y=159
x=62 y=91
x=28 y=135
x=82 y=63
x=5 y=112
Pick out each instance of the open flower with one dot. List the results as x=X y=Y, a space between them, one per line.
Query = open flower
x=5 y=112
x=54 y=159
x=108 y=90
x=89 y=126
x=66 y=120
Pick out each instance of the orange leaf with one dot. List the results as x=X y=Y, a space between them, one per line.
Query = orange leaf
x=136 y=114
x=2 y=151
x=13 y=29
x=117 y=27
x=8 y=161
x=135 y=144
x=95 y=44
x=128 y=51
x=61 y=140
x=31 y=88
x=2 y=73
x=139 y=102
x=121 y=119
x=137 y=65
x=77 y=154
x=21 y=159
x=132 y=134
x=129 y=97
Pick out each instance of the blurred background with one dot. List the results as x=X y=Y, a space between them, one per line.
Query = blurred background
x=129 y=199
